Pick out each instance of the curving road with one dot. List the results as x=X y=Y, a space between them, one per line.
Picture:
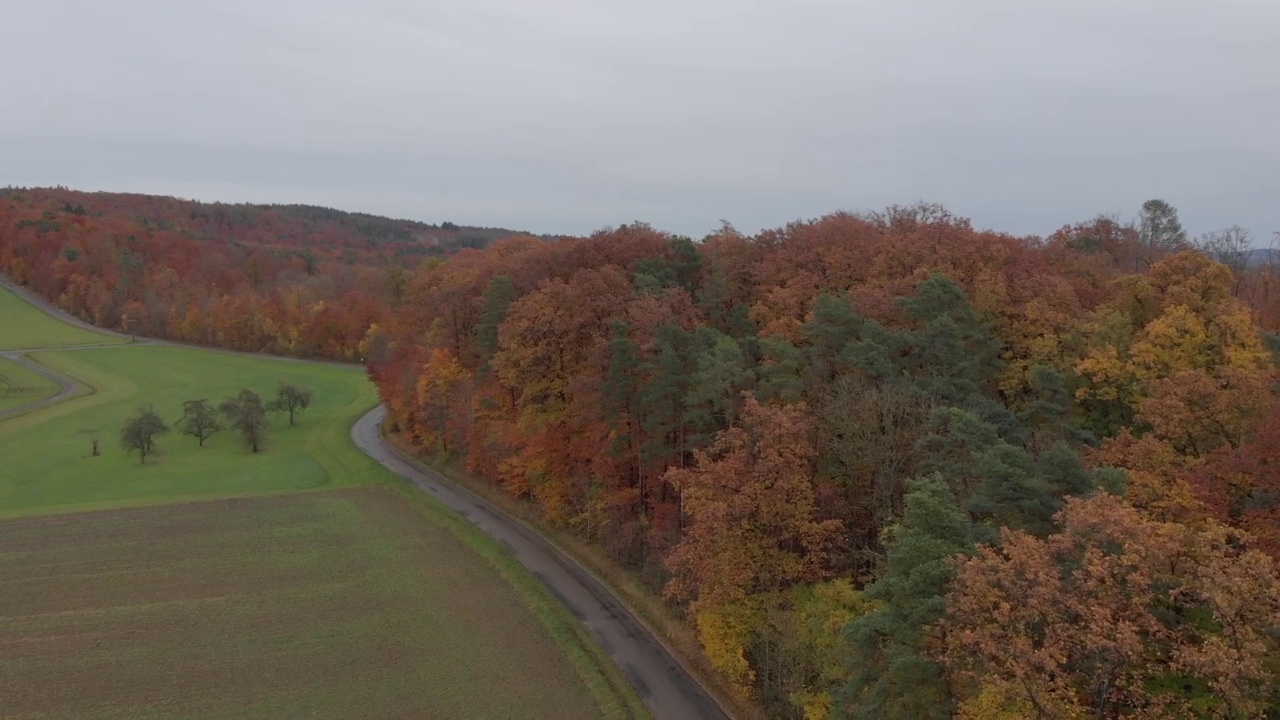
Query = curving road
x=665 y=686
x=668 y=690
x=65 y=386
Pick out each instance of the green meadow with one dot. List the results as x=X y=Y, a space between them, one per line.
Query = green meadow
x=23 y=326
x=50 y=465
x=304 y=580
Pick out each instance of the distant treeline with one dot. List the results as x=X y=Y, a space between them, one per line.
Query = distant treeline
x=289 y=279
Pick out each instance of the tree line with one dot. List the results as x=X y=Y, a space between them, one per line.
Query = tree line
x=889 y=466
x=244 y=413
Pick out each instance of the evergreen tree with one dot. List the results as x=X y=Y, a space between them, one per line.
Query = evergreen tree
x=952 y=355
x=662 y=396
x=1160 y=233
x=686 y=263
x=781 y=372
x=498 y=296
x=1064 y=472
x=893 y=675
x=1047 y=413
x=834 y=329
x=1000 y=484
x=719 y=377
x=956 y=441
x=715 y=298
x=620 y=384
x=654 y=275
x=1010 y=493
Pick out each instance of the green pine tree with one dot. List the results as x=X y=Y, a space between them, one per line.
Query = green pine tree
x=661 y=398
x=686 y=263
x=781 y=371
x=621 y=384
x=498 y=296
x=719 y=377
x=892 y=673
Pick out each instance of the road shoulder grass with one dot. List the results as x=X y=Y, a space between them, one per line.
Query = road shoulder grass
x=23 y=325
x=671 y=629
x=610 y=689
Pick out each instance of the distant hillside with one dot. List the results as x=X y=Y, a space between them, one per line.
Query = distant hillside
x=287 y=279
x=309 y=226
x=1263 y=256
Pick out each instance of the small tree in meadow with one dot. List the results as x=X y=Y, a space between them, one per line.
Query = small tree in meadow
x=291 y=399
x=199 y=420
x=248 y=416
x=141 y=431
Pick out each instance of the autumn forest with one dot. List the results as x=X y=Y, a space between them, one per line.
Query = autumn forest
x=886 y=465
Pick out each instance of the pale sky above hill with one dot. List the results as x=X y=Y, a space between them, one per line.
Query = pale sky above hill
x=569 y=115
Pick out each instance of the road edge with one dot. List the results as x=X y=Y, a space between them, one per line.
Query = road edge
x=598 y=587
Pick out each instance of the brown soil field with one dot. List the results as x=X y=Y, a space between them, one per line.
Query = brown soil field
x=339 y=604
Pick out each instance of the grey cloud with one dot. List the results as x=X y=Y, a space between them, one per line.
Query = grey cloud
x=567 y=115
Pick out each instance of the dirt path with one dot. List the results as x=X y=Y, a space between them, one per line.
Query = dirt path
x=666 y=687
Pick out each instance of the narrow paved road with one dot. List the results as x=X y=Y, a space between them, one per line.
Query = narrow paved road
x=668 y=690
x=666 y=687
x=66 y=386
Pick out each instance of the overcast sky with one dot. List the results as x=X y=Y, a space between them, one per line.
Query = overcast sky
x=569 y=115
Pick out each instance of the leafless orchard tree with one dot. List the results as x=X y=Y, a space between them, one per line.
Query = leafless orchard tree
x=1232 y=247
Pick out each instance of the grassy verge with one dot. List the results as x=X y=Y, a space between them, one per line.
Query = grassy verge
x=670 y=627
x=610 y=690
x=24 y=326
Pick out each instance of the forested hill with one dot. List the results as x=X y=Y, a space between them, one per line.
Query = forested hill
x=299 y=226
x=289 y=279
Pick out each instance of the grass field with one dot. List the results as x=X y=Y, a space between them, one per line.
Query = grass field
x=339 y=605
x=23 y=326
x=19 y=385
x=303 y=581
x=62 y=474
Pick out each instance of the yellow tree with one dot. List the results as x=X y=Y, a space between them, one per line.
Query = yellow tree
x=1182 y=317
x=438 y=381
x=1155 y=471
x=753 y=530
x=1197 y=413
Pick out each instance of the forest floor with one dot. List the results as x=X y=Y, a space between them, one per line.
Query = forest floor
x=215 y=582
